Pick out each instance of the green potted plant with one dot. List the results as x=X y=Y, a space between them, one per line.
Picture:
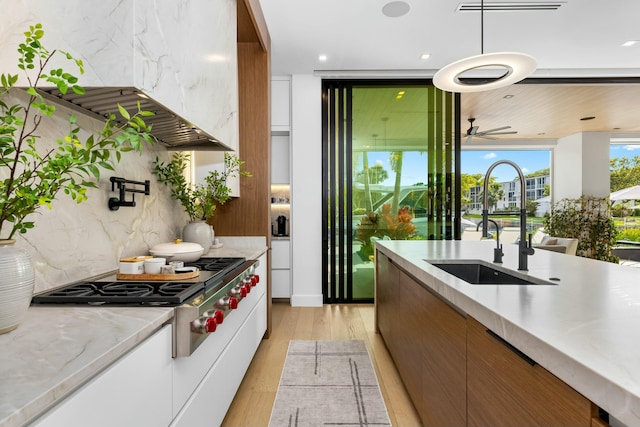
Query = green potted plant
x=198 y=200
x=382 y=225
x=31 y=175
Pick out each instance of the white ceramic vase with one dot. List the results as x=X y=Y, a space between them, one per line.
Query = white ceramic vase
x=198 y=232
x=17 y=278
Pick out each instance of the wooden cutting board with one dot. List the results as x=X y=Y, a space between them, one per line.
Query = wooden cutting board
x=158 y=277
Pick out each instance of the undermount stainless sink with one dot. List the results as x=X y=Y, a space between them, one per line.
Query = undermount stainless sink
x=477 y=272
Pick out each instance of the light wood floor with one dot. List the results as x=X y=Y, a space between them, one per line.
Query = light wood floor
x=254 y=400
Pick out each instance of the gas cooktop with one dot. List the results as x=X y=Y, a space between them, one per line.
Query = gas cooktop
x=110 y=290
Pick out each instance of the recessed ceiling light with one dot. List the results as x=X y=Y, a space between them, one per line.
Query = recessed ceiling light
x=322 y=58
x=396 y=9
x=425 y=56
x=587 y=118
x=508 y=96
x=630 y=43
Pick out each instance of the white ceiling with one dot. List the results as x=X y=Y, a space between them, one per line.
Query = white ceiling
x=582 y=38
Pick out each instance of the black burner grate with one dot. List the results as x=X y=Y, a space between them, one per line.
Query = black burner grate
x=152 y=293
x=223 y=265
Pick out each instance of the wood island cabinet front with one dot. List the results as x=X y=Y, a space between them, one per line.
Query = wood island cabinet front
x=506 y=388
x=426 y=339
x=458 y=372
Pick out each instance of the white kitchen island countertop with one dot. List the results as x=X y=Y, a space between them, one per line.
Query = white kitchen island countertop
x=55 y=350
x=585 y=329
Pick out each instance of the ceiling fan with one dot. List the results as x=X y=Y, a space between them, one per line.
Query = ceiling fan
x=472 y=132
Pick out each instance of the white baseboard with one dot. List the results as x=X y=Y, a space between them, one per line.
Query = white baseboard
x=306 y=300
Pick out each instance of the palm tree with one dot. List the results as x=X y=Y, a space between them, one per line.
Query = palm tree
x=395 y=159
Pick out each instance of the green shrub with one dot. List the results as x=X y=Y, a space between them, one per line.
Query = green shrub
x=632 y=234
x=587 y=219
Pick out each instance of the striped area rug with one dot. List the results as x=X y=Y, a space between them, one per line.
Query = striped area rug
x=328 y=383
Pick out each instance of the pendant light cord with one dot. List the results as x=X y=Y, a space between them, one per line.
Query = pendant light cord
x=482 y=27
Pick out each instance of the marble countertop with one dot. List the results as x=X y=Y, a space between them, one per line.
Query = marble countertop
x=54 y=350
x=246 y=247
x=585 y=329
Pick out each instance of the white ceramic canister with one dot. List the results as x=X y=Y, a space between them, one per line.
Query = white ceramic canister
x=17 y=278
x=154 y=265
x=132 y=265
x=198 y=232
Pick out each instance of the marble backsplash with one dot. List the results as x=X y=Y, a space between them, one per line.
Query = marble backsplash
x=74 y=241
x=158 y=47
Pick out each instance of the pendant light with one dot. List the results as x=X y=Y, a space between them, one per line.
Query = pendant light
x=516 y=66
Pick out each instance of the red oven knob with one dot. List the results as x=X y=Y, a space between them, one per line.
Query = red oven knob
x=247 y=287
x=238 y=290
x=219 y=316
x=255 y=279
x=233 y=303
x=211 y=324
x=227 y=302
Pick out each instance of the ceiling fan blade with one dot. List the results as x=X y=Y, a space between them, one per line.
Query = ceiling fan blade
x=483 y=136
x=495 y=129
x=501 y=133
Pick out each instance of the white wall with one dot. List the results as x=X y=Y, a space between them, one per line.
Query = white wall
x=306 y=190
x=581 y=166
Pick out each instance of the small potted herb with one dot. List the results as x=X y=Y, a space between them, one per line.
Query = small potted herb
x=198 y=200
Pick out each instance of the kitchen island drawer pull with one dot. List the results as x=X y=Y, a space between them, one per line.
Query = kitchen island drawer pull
x=520 y=354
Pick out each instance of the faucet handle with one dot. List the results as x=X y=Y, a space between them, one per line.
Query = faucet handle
x=497 y=255
x=530 y=250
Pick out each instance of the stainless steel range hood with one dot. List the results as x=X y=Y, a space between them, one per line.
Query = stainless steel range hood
x=170 y=129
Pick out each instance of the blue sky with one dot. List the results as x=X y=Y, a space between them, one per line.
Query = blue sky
x=413 y=169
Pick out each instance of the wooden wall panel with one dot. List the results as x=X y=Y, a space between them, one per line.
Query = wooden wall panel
x=249 y=215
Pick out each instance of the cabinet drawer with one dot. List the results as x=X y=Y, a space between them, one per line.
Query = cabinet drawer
x=505 y=388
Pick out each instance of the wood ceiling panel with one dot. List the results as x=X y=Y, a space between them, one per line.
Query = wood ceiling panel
x=536 y=111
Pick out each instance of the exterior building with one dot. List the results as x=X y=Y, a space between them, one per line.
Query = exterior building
x=535 y=189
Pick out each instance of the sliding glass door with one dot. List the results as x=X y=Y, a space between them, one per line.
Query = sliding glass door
x=389 y=172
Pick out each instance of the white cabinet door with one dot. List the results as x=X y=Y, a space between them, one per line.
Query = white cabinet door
x=134 y=391
x=280 y=268
x=281 y=284
x=280 y=254
x=280 y=102
x=280 y=159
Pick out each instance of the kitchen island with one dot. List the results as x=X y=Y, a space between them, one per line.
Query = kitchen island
x=582 y=327
x=58 y=351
